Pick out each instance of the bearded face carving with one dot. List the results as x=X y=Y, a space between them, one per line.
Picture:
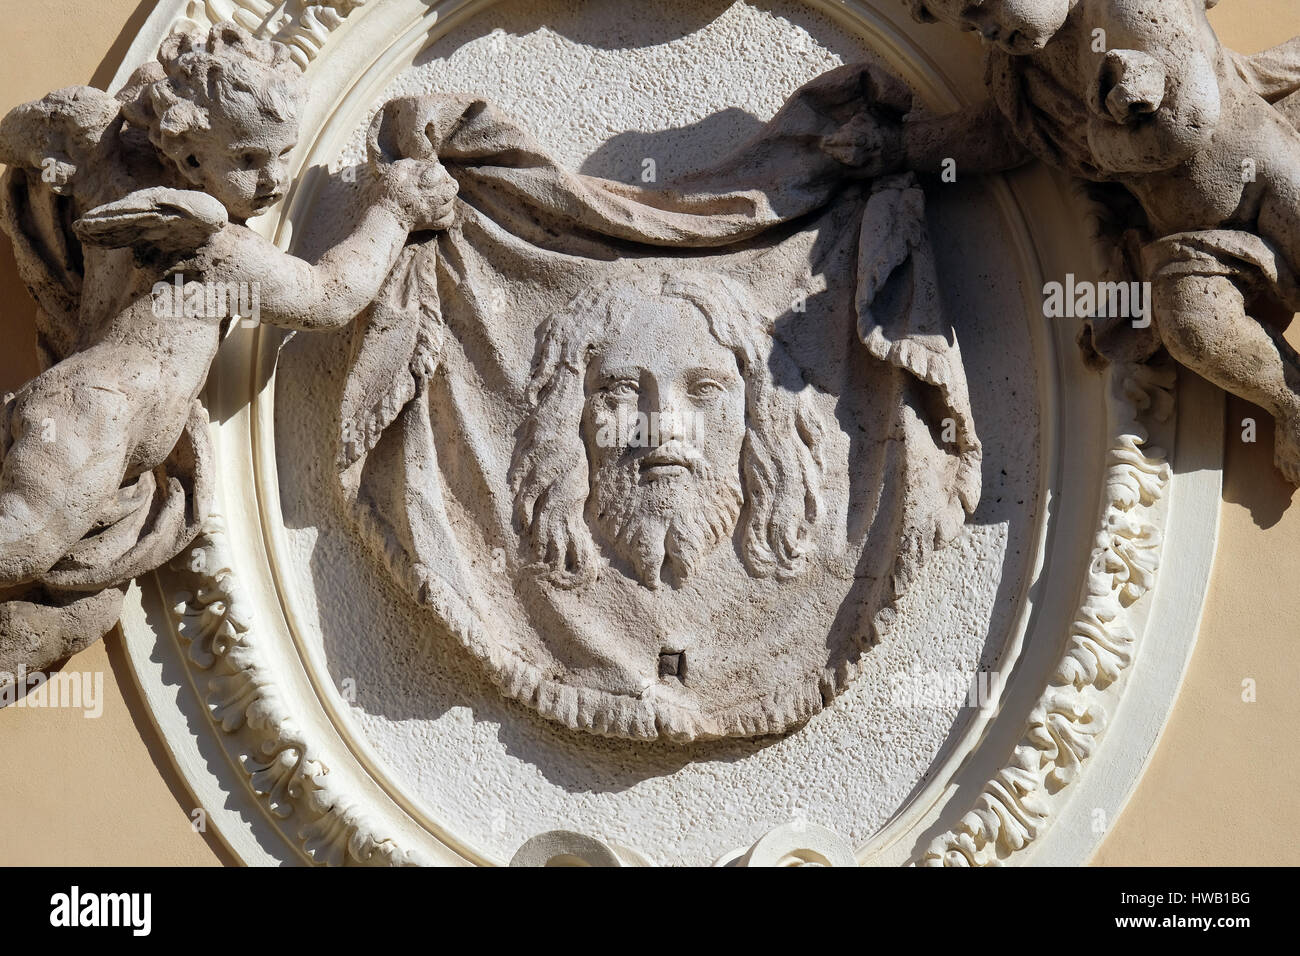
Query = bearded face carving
x=663 y=413
x=744 y=430
x=664 y=425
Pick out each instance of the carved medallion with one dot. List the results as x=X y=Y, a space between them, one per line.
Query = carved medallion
x=659 y=441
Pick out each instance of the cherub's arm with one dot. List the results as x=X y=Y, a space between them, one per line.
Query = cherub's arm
x=1274 y=73
x=1155 y=95
x=979 y=139
x=296 y=294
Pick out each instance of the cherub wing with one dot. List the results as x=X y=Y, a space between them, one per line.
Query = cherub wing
x=49 y=260
x=169 y=222
x=1275 y=75
x=47 y=144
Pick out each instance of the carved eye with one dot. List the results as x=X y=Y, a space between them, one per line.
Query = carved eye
x=287 y=150
x=623 y=390
x=192 y=161
x=706 y=388
x=249 y=160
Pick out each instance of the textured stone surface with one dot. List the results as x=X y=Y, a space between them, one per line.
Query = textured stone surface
x=104 y=457
x=723 y=417
x=475 y=744
x=1204 y=250
x=1142 y=95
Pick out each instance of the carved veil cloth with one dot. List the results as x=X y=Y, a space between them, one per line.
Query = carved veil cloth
x=838 y=271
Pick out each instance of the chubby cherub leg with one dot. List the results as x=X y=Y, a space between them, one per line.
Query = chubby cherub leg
x=1202 y=321
x=66 y=457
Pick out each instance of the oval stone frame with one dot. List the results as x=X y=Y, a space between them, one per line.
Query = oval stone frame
x=1132 y=466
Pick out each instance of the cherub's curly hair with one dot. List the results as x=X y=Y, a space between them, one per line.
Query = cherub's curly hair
x=230 y=69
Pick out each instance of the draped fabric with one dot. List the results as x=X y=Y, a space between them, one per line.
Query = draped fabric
x=839 y=269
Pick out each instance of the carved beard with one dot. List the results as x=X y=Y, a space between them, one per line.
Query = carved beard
x=678 y=518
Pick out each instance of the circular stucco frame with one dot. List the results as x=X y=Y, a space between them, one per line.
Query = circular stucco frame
x=264 y=743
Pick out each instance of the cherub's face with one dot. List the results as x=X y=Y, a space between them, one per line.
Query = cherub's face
x=1017 y=26
x=243 y=161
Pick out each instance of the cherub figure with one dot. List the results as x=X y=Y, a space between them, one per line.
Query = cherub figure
x=1140 y=93
x=157 y=184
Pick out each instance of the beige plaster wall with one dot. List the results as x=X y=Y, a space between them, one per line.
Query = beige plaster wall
x=1221 y=787
x=75 y=790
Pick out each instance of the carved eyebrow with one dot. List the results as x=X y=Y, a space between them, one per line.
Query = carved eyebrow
x=729 y=375
x=605 y=375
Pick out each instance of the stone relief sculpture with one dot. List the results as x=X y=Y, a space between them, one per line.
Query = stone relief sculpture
x=1199 y=156
x=111 y=202
x=681 y=420
x=667 y=442
x=302 y=26
x=663 y=460
x=611 y=436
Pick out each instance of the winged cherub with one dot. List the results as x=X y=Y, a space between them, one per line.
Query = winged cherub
x=1140 y=93
x=159 y=183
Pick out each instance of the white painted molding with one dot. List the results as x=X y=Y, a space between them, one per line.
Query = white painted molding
x=1103 y=641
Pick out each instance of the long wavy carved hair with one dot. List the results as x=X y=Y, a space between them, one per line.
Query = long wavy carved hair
x=781 y=462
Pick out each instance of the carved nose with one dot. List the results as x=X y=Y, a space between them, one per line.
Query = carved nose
x=670 y=425
x=271 y=180
x=661 y=408
x=1131 y=85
